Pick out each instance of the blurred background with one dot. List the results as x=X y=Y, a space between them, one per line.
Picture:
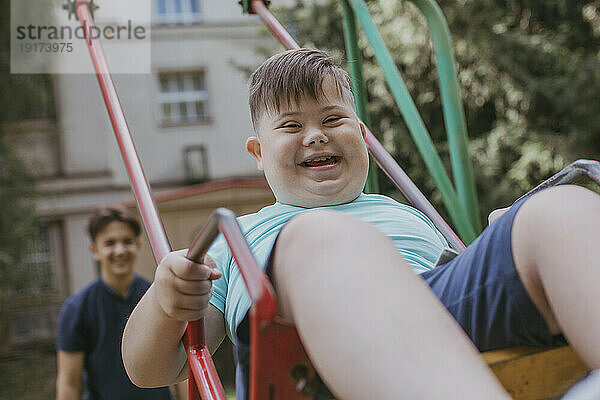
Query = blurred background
x=529 y=73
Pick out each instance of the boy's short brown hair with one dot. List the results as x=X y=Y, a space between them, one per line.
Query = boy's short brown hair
x=103 y=216
x=287 y=77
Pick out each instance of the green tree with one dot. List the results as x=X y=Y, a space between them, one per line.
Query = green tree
x=21 y=98
x=529 y=72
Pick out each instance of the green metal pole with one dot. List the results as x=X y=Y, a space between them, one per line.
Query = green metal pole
x=454 y=115
x=414 y=122
x=358 y=84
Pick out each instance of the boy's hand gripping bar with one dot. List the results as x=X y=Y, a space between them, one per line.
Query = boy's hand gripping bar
x=258 y=285
x=259 y=288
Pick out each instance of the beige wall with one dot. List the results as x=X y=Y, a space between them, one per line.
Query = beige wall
x=183 y=218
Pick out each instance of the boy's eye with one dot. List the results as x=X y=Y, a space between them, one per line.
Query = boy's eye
x=291 y=125
x=109 y=243
x=332 y=119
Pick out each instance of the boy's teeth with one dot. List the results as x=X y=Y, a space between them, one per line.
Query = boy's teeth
x=320 y=159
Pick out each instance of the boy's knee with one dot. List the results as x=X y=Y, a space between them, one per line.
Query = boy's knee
x=548 y=225
x=551 y=217
x=564 y=193
x=559 y=204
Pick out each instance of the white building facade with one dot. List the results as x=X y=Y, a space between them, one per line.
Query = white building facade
x=189 y=118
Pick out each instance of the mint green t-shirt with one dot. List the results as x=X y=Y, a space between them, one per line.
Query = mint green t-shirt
x=413 y=234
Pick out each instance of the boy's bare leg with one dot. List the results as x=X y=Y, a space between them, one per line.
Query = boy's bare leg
x=373 y=328
x=556 y=238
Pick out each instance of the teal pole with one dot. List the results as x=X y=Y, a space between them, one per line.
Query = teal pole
x=358 y=84
x=415 y=124
x=454 y=115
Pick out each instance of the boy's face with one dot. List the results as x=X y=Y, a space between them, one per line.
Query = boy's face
x=312 y=153
x=115 y=248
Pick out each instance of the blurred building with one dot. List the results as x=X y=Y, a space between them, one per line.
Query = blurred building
x=189 y=120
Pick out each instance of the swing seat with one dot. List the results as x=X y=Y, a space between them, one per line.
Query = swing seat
x=280 y=368
x=536 y=373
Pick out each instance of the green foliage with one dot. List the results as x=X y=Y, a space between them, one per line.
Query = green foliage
x=529 y=72
x=17 y=214
x=17 y=220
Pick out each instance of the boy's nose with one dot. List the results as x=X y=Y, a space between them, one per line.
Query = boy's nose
x=315 y=136
x=119 y=248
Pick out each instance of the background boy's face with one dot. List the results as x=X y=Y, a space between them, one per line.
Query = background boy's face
x=115 y=248
x=312 y=153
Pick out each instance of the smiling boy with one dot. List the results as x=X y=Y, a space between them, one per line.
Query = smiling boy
x=341 y=262
x=91 y=322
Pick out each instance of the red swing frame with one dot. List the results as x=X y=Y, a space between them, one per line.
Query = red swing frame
x=279 y=366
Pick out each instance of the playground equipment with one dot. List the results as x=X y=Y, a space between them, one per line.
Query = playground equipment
x=280 y=369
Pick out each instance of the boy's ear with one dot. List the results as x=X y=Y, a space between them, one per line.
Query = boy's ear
x=363 y=130
x=253 y=147
x=94 y=251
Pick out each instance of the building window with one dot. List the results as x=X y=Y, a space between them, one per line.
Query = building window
x=178 y=11
x=196 y=165
x=183 y=97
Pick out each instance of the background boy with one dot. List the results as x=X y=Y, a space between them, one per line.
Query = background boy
x=91 y=322
x=342 y=281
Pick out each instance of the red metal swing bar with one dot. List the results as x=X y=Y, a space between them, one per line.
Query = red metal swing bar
x=208 y=385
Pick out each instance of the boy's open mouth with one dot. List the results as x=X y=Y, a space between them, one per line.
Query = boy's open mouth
x=321 y=161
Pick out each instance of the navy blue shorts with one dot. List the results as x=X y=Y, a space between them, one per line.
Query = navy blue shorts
x=480 y=288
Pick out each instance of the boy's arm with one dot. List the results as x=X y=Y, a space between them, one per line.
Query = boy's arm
x=153 y=354
x=214 y=323
x=68 y=379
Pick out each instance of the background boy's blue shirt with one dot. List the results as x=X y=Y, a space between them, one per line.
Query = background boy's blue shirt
x=413 y=234
x=92 y=322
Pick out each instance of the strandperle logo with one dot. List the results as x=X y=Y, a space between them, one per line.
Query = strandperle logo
x=36 y=32
x=45 y=38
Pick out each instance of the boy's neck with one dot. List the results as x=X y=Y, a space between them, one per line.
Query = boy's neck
x=315 y=206
x=120 y=285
